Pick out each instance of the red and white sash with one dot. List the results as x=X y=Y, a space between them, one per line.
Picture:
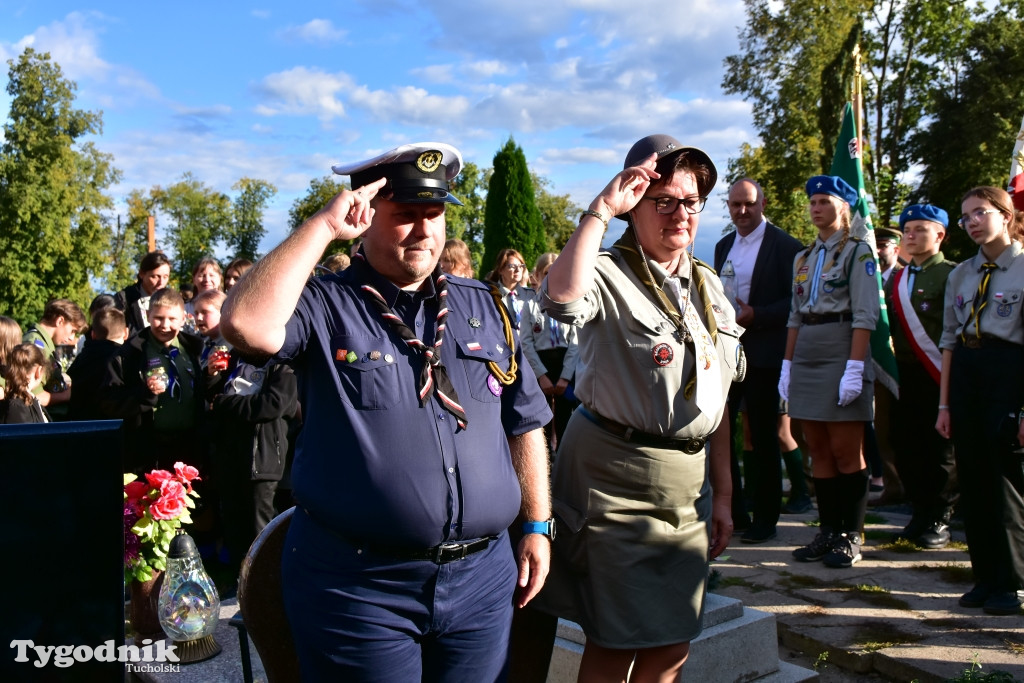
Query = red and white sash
x=924 y=348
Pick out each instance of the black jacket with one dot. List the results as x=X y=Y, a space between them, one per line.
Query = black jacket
x=771 y=292
x=126 y=301
x=251 y=432
x=15 y=411
x=87 y=373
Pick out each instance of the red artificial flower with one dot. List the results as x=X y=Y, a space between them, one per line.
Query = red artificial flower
x=135 y=490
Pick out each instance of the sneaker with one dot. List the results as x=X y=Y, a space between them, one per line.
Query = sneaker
x=976 y=597
x=818 y=548
x=798 y=505
x=1002 y=603
x=845 y=550
x=934 y=537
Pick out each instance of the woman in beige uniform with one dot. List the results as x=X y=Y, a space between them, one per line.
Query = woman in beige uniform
x=835 y=307
x=658 y=350
x=981 y=396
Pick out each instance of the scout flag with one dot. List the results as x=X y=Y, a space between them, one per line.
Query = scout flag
x=847 y=165
x=1016 y=187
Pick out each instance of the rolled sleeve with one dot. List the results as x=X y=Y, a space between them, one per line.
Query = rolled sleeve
x=576 y=313
x=864 y=291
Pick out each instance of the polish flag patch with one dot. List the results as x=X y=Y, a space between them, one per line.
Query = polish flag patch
x=473 y=346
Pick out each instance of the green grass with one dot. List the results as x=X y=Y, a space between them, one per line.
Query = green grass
x=901 y=545
x=872 y=518
x=880 y=596
x=953 y=572
x=879 y=636
x=957 y=545
x=973 y=674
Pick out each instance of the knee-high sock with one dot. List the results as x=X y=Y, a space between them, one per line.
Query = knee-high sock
x=854 y=494
x=830 y=511
x=794 y=461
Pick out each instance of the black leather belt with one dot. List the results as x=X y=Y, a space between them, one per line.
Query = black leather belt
x=987 y=341
x=690 y=446
x=823 y=318
x=442 y=553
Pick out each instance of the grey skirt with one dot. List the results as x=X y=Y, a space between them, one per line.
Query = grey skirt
x=818 y=364
x=630 y=560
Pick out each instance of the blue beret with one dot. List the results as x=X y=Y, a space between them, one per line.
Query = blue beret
x=833 y=185
x=924 y=212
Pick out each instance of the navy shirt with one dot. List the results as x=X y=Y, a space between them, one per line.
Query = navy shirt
x=371 y=463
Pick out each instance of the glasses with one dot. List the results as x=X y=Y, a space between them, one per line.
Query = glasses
x=514 y=266
x=667 y=205
x=974 y=217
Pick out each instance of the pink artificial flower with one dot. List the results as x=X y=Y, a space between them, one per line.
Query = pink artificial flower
x=171 y=503
x=185 y=474
x=158 y=477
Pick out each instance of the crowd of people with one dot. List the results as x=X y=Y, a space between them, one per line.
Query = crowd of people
x=425 y=408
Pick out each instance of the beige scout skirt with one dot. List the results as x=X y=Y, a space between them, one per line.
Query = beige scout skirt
x=819 y=361
x=630 y=560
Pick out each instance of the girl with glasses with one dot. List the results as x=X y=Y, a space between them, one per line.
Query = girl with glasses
x=981 y=394
x=511 y=276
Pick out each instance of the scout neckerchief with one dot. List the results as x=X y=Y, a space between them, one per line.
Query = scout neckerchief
x=920 y=343
x=979 y=303
x=433 y=376
x=705 y=377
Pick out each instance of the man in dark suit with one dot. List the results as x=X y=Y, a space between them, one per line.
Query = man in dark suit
x=761 y=256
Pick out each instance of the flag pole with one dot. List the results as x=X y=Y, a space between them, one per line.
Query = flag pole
x=857 y=97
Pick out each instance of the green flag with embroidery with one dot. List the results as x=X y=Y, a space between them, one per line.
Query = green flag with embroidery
x=846 y=164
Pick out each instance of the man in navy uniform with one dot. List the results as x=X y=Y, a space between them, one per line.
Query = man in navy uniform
x=762 y=258
x=423 y=423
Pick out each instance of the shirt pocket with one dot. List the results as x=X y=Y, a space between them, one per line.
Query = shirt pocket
x=1006 y=302
x=476 y=348
x=367 y=370
x=652 y=340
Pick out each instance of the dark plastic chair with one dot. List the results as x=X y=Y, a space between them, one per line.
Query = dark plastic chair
x=262 y=605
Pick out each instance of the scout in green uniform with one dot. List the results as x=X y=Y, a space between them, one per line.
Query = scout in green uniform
x=914 y=297
x=61 y=322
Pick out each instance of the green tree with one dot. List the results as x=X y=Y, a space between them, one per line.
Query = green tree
x=199 y=217
x=320 y=191
x=511 y=218
x=466 y=222
x=970 y=139
x=558 y=213
x=130 y=241
x=245 y=232
x=52 y=191
x=796 y=68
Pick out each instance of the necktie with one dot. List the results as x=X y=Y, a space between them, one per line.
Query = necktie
x=515 y=306
x=173 y=390
x=912 y=272
x=433 y=376
x=979 y=303
x=822 y=253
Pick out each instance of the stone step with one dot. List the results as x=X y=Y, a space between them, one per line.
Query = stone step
x=737 y=644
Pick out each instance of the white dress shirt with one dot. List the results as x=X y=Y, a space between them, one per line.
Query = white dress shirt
x=743 y=256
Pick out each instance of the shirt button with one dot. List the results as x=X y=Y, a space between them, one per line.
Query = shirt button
x=451 y=470
x=440 y=417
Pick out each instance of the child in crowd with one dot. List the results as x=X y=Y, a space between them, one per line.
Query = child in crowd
x=24 y=371
x=207 y=312
x=108 y=332
x=155 y=385
x=10 y=335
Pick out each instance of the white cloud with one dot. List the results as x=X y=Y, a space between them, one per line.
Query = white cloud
x=435 y=73
x=304 y=92
x=260 y=13
x=319 y=31
x=409 y=105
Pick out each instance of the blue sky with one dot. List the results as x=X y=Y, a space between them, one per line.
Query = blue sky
x=281 y=92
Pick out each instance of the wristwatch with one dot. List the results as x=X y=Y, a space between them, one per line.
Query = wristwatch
x=546 y=527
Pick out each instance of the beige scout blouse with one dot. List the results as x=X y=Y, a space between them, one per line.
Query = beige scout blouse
x=632 y=368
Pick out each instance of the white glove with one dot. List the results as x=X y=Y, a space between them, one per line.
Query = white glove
x=852 y=382
x=784 y=380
